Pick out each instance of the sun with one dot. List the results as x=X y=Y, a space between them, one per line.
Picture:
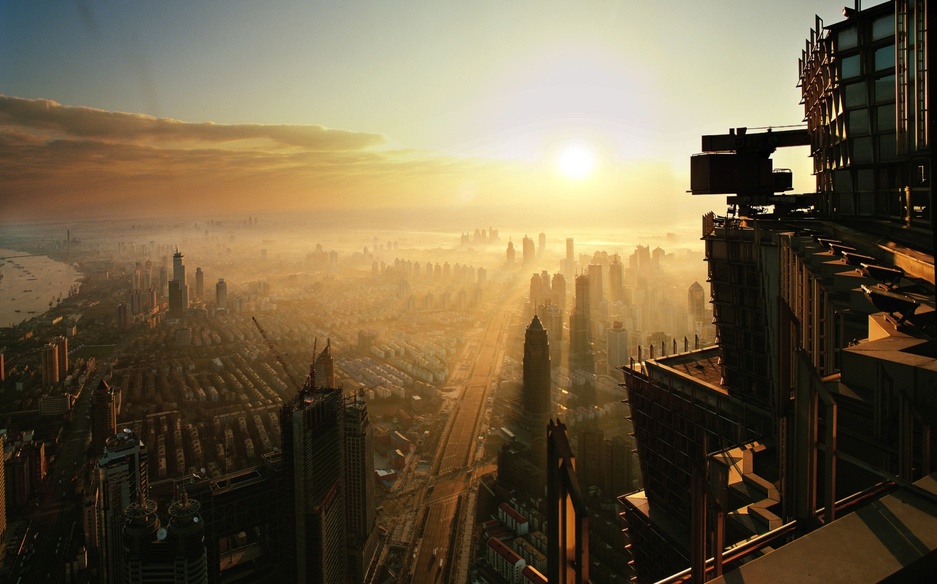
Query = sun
x=576 y=161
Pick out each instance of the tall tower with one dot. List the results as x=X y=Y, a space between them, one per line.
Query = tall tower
x=536 y=400
x=50 y=365
x=541 y=243
x=510 y=254
x=103 y=417
x=61 y=347
x=199 y=283
x=121 y=475
x=528 y=250
x=178 y=290
x=616 y=280
x=581 y=360
x=696 y=307
x=619 y=350
x=221 y=295
x=558 y=287
x=360 y=509
x=325 y=373
x=313 y=438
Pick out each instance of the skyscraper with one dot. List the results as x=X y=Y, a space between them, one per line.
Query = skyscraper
x=199 y=283
x=221 y=295
x=313 y=438
x=103 y=417
x=619 y=347
x=616 y=280
x=581 y=359
x=121 y=480
x=178 y=289
x=528 y=251
x=510 y=254
x=541 y=243
x=558 y=288
x=324 y=369
x=567 y=516
x=360 y=506
x=536 y=400
x=50 y=365
x=819 y=313
x=61 y=350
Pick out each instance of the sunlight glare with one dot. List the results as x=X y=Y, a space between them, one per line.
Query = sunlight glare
x=576 y=161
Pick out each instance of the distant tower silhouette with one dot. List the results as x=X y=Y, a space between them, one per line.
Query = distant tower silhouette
x=581 y=359
x=103 y=417
x=696 y=307
x=313 y=439
x=510 y=254
x=178 y=290
x=325 y=373
x=528 y=251
x=616 y=280
x=536 y=399
x=199 y=283
x=221 y=295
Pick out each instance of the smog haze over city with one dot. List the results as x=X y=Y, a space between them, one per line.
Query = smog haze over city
x=198 y=198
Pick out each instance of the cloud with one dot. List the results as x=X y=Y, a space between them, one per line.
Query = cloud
x=65 y=161
x=84 y=122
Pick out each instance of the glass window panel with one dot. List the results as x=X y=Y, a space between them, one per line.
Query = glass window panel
x=842 y=181
x=883 y=27
x=885 y=89
x=850 y=67
x=854 y=95
x=885 y=118
x=885 y=58
x=862 y=150
x=858 y=122
x=847 y=38
x=887 y=147
x=865 y=180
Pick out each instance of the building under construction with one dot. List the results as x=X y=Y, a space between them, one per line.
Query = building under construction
x=804 y=436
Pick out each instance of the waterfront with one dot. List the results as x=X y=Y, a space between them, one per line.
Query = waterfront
x=30 y=283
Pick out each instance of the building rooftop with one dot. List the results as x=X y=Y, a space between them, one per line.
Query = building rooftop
x=702 y=365
x=893 y=537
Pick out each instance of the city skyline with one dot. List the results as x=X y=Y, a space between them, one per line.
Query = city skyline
x=140 y=110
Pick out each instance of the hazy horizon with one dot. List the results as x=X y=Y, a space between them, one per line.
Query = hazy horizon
x=570 y=112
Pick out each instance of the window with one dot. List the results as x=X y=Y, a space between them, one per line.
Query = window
x=887 y=147
x=854 y=95
x=847 y=38
x=851 y=67
x=885 y=118
x=885 y=58
x=858 y=122
x=885 y=89
x=862 y=150
x=883 y=27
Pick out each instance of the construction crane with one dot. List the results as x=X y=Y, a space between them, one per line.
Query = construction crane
x=276 y=354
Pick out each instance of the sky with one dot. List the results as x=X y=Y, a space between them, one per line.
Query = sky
x=129 y=108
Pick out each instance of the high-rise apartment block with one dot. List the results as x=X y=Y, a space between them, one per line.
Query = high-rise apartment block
x=221 y=296
x=812 y=416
